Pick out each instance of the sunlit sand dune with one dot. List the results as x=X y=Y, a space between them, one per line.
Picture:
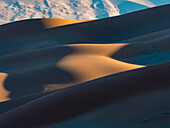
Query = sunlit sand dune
x=91 y=61
x=67 y=73
x=52 y=22
x=4 y=93
x=58 y=67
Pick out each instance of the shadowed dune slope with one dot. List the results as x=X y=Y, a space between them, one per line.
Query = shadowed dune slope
x=57 y=72
x=82 y=98
x=20 y=28
x=149 y=49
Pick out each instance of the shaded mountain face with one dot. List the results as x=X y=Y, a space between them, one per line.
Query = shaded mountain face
x=12 y=10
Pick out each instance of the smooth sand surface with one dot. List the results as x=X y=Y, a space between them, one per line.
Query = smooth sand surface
x=3 y=92
x=76 y=100
x=23 y=27
x=111 y=72
x=58 y=67
x=54 y=22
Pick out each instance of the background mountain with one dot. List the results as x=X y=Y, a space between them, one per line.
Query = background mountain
x=12 y=10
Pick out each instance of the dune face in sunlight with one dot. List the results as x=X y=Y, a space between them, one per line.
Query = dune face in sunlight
x=3 y=92
x=105 y=73
x=51 y=23
x=92 y=61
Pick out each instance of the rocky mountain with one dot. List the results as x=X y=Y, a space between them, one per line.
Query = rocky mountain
x=12 y=10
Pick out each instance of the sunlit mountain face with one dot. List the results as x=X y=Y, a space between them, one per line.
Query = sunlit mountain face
x=13 y=10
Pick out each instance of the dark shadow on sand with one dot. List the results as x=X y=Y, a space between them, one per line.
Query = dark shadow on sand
x=29 y=72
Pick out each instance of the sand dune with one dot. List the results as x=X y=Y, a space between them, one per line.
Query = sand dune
x=58 y=67
x=68 y=73
x=82 y=98
x=53 y=22
x=146 y=50
x=31 y=26
x=4 y=93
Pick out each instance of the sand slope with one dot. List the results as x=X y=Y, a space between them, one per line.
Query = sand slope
x=78 y=99
x=54 y=70
x=58 y=67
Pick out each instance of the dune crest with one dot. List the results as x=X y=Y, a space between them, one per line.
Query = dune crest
x=91 y=61
x=54 y=22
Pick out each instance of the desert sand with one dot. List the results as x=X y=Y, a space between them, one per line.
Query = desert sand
x=105 y=73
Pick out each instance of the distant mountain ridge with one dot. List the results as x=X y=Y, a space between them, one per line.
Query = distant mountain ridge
x=12 y=10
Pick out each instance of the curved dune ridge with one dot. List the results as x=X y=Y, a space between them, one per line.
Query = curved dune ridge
x=58 y=67
x=68 y=73
x=29 y=26
x=53 y=22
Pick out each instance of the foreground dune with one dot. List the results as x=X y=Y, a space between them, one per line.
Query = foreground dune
x=73 y=101
x=66 y=73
